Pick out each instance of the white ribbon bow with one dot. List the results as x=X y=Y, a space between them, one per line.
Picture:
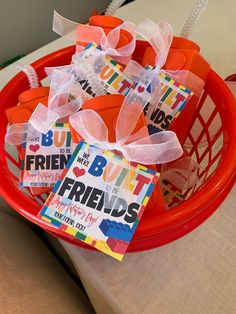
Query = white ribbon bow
x=88 y=34
x=65 y=98
x=160 y=37
x=157 y=148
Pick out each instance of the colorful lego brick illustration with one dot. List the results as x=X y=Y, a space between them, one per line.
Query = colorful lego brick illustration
x=117 y=246
x=103 y=247
x=116 y=230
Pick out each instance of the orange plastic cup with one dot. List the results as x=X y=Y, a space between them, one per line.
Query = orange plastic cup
x=186 y=59
x=108 y=107
x=28 y=101
x=145 y=54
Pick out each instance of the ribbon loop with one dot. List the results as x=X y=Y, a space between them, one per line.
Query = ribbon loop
x=64 y=27
x=90 y=126
x=157 y=148
x=159 y=36
x=112 y=39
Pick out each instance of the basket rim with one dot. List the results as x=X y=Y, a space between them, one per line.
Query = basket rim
x=218 y=186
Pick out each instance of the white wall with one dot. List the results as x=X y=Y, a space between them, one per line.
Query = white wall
x=26 y=25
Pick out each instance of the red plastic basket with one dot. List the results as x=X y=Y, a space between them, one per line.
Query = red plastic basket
x=210 y=142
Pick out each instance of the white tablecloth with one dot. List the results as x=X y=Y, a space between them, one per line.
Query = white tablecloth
x=196 y=274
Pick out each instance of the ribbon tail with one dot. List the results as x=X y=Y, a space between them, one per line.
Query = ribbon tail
x=62 y=86
x=128 y=117
x=64 y=27
x=18 y=133
x=42 y=119
x=90 y=127
x=147 y=90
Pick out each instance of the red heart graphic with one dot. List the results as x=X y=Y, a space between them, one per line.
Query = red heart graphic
x=78 y=172
x=34 y=147
x=140 y=89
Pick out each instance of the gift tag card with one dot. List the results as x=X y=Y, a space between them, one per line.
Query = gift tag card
x=172 y=195
x=45 y=156
x=173 y=99
x=100 y=199
x=110 y=74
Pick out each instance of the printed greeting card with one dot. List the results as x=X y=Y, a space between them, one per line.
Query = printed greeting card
x=172 y=195
x=100 y=199
x=110 y=74
x=174 y=98
x=45 y=156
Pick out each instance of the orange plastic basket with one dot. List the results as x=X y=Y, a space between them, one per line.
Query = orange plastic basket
x=210 y=142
